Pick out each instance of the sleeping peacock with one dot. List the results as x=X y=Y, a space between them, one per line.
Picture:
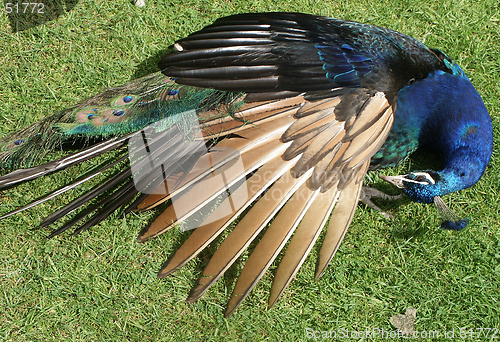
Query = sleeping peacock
x=263 y=121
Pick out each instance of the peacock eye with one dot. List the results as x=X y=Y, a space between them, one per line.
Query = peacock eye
x=421 y=179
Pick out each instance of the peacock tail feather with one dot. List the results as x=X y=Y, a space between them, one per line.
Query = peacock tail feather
x=152 y=99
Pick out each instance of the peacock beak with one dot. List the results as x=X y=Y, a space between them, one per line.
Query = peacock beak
x=395 y=180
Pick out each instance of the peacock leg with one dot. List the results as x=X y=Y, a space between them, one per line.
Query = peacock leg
x=367 y=193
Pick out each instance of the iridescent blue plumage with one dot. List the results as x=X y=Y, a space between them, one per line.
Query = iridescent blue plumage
x=308 y=104
x=453 y=120
x=445 y=113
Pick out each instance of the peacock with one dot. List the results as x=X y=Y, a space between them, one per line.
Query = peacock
x=263 y=122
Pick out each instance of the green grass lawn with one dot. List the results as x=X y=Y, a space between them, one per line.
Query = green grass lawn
x=101 y=285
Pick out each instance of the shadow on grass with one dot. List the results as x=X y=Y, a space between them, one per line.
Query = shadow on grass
x=149 y=65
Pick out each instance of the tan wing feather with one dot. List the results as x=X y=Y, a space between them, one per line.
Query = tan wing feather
x=376 y=104
x=205 y=234
x=250 y=159
x=324 y=143
x=331 y=155
x=302 y=242
x=248 y=139
x=299 y=145
x=271 y=244
x=201 y=193
x=361 y=141
x=311 y=107
x=217 y=122
x=246 y=230
x=312 y=123
x=340 y=220
x=375 y=145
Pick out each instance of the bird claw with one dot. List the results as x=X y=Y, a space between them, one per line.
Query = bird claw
x=368 y=192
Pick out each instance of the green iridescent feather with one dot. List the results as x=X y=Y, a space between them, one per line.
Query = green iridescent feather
x=115 y=112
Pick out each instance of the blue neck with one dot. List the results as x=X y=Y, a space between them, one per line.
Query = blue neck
x=448 y=115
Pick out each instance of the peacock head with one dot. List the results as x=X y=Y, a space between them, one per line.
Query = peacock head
x=427 y=187
x=420 y=186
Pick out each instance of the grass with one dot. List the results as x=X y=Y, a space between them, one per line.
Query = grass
x=102 y=286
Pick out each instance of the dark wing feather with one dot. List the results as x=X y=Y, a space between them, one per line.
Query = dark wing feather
x=263 y=52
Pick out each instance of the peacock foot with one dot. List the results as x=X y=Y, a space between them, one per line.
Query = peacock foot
x=367 y=193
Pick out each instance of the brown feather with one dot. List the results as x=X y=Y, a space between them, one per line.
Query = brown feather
x=324 y=168
x=323 y=144
x=370 y=113
x=255 y=113
x=246 y=230
x=302 y=242
x=374 y=144
x=205 y=234
x=250 y=160
x=316 y=122
x=251 y=137
x=328 y=158
x=299 y=145
x=340 y=220
x=311 y=107
x=365 y=142
x=217 y=122
x=201 y=193
x=252 y=109
x=271 y=244
x=363 y=139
